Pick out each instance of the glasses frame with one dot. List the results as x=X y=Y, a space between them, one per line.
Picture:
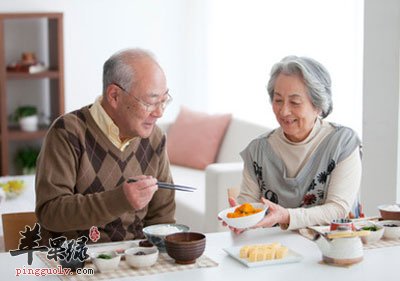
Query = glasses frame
x=149 y=106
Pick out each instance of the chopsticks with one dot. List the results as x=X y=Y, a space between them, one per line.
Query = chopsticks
x=166 y=185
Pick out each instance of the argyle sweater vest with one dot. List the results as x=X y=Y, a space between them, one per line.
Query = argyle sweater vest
x=79 y=181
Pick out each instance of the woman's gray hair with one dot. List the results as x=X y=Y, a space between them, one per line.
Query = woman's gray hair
x=119 y=68
x=315 y=76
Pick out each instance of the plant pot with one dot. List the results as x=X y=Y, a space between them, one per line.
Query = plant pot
x=29 y=123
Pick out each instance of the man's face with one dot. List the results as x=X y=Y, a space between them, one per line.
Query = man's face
x=136 y=114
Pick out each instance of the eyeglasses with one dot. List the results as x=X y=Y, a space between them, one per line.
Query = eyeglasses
x=150 y=107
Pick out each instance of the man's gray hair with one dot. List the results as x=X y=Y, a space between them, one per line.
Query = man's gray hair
x=315 y=76
x=119 y=67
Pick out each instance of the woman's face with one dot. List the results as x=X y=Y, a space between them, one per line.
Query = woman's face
x=293 y=108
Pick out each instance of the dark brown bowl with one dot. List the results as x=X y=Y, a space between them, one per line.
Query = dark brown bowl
x=386 y=214
x=185 y=247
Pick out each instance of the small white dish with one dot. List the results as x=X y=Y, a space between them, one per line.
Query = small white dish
x=139 y=257
x=373 y=236
x=392 y=228
x=375 y=231
x=106 y=261
x=246 y=221
x=119 y=247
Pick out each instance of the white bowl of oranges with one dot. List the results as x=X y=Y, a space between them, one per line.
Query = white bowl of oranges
x=243 y=216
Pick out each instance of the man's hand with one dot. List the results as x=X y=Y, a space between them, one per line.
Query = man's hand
x=139 y=193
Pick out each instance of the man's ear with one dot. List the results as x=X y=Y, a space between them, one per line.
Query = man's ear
x=112 y=95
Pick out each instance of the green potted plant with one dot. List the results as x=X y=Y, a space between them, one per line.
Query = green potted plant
x=27 y=117
x=26 y=159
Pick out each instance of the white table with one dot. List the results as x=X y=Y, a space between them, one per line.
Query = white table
x=378 y=264
x=25 y=202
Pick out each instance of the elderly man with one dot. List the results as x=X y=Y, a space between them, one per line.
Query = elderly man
x=88 y=155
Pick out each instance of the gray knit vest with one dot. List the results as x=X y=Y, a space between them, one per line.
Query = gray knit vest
x=310 y=186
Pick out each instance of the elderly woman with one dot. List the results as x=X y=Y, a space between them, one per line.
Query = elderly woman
x=307 y=171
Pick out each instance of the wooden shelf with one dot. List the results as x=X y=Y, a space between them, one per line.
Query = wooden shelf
x=11 y=136
x=51 y=74
x=17 y=134
x=13 y=16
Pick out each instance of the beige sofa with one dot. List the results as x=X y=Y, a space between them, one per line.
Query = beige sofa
x=199 y=209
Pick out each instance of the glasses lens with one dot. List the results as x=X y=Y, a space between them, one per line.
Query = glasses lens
x=162 y=105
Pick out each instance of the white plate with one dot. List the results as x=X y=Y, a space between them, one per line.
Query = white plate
x=291 y=257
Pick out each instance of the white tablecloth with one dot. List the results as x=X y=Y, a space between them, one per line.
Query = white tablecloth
x=378 y=264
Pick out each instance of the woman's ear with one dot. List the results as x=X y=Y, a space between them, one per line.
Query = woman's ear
x=318 y=111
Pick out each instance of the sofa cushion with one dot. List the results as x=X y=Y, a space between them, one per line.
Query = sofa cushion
x=194 y=138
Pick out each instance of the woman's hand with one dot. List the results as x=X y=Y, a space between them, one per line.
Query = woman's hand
x=232 y=203
x=276 y=214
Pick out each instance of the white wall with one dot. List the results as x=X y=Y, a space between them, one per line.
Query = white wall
x=248 y=36
x=195 y=41
x=381 y=104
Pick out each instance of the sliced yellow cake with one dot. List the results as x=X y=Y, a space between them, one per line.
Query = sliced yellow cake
x=262 y=252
